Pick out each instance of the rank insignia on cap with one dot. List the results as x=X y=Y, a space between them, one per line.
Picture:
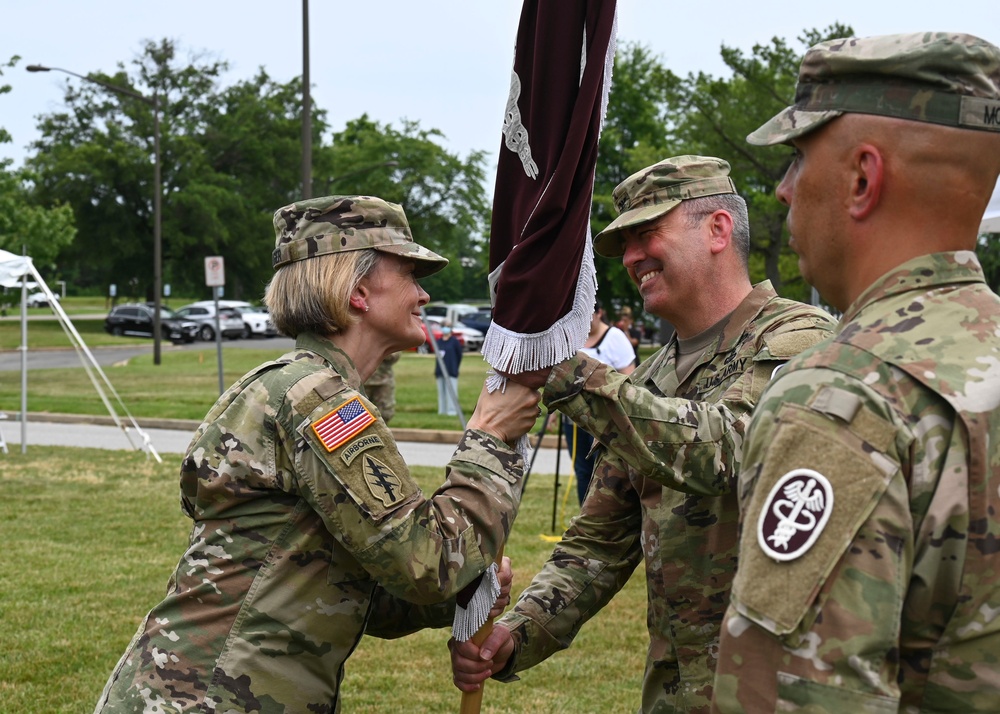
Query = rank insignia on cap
x=794 y=514
x=382 y=482
x=347 y=420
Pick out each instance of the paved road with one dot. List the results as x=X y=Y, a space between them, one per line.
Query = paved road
x=172 y=442
x=175 y=441
x=10 y=360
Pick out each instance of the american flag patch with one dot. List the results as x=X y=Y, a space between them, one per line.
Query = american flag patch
x=342 y=423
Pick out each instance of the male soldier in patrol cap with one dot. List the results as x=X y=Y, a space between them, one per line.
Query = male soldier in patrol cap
x=672 y=436
x=308 y=530
x=869 y=576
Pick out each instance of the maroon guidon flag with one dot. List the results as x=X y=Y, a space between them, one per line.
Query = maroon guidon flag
x=542 y=278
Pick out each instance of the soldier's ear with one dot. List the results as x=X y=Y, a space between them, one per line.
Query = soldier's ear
x=867 y=175
x=359 y=296
x=720 y=225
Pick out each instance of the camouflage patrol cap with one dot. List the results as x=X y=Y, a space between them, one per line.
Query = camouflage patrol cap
x=336 y=224
x=657 y=190
x=941 y=78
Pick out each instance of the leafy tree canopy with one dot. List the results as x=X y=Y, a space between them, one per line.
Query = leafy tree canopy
x=654 y=114
x=230 y=156
x=25 y=226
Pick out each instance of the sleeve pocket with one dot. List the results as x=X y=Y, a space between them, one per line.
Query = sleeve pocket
x=777 y=594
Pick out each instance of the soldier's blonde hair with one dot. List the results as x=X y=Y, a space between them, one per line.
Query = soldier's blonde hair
x=313 y=295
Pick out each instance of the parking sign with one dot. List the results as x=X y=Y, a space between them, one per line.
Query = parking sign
x=215 y=271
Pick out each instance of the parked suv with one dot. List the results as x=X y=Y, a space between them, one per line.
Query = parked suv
x=230 y=322
x=478 y=319
x=256 y=321
x=137 y=320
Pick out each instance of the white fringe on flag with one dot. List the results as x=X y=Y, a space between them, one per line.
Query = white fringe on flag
x=469 y=619
x=513 y=352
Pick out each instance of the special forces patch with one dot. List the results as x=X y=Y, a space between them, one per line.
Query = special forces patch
x=794 y=514
x=382 y=482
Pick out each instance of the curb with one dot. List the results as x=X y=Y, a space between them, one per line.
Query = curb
x=426 y=436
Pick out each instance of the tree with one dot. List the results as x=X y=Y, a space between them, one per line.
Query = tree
x=231 y=156
x=24 y=225
x=988 y=251
x=441 y=193
x=714 y=117
x=633 y=136
x=98 y=156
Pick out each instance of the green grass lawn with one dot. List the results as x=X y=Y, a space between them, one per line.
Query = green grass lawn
x=186 y=383
x=90 y=538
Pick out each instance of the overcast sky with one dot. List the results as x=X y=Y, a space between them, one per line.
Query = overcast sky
x=444 y=63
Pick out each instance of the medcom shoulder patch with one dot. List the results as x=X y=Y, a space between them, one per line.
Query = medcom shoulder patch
x=794 y=514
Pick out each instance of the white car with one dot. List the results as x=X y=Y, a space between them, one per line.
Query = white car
x=230 y=323
x=472 y=337
x=39 y=299
x=256 y=321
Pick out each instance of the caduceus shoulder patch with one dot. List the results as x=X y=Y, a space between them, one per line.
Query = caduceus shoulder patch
x=344 y=422
x=794 y=514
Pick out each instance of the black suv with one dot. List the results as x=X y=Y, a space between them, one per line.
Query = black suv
x=137 y=320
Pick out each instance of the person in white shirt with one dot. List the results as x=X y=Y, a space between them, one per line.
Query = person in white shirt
x=612 y=346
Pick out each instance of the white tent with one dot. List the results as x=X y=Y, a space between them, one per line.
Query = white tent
x=16 y=270
x=991 y=219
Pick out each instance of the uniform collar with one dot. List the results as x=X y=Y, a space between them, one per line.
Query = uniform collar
x=335 y=357
x=745 y=313
x=921 y=274
x=734 y=331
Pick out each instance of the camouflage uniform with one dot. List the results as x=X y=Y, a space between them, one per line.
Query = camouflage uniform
x=295 y=551
x=381 y=387
x=869 y=565
x=308 y=530
x=635 y=508
x=896 y=603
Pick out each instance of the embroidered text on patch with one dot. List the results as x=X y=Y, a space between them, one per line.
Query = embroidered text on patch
x=352 y=450
x=794 y=514
x=342 y=423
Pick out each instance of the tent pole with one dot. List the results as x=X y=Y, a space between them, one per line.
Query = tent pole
x=24 y=358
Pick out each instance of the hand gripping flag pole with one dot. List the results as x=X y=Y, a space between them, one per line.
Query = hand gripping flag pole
x=543 y=283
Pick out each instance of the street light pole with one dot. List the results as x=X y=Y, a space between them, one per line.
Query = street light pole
x=153 y=102
x=306 y=107
x=157 y=230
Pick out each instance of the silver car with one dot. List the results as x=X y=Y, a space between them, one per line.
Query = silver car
x=230 y=322
x=256 y=320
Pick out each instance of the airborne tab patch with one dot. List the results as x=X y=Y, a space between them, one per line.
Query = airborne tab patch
x=352 y=451
x=344 y=422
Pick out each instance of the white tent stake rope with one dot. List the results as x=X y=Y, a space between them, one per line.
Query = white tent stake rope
x=91 y=367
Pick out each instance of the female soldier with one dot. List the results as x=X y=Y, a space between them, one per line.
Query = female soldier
x=308 y=530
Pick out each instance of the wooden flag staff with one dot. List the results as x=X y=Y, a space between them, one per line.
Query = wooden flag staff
x=542 y=277
x=473 y=701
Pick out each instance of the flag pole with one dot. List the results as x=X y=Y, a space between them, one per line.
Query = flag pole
x=472 y=702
